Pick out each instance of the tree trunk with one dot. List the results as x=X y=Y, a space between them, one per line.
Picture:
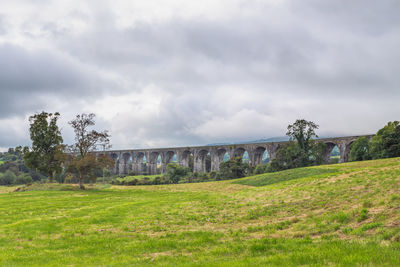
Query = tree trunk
x=81 y=182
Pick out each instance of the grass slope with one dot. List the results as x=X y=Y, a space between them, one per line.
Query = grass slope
x=345 y=214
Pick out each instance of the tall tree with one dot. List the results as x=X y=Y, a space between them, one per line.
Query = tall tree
x=303 y=132
x=304 y=152
x=46 y=155
x=85 y=164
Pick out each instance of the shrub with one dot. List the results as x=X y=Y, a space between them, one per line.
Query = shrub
x=261 y=168
x=233 y=168
x=24 y=179
x=386 y=142
x=213 y=174
x=8 y=178
x=132 y=182
x=176 y=172
x=360 y=150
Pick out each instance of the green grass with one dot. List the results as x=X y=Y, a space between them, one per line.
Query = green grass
x=277 y=177
x=1 y=162
x=138 y=177
x=345 y=214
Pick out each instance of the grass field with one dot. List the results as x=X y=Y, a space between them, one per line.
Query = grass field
x=1 y=162
x=344 y=214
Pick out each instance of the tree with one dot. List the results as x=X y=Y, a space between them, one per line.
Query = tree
x=302 y=150
x=289 y=156
x=8 y=178
x=233 y=168
x=386 y=142
x=175 y=172
x=360 y=150
x=47 y=152
x=84 y=164
x=303 y=132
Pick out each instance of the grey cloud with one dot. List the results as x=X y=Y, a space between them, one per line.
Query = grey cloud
x=29 y=78
x=2 y=25
x=330 y=61
x=241 y=50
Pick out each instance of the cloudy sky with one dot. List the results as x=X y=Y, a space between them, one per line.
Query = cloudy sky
x=177 y=72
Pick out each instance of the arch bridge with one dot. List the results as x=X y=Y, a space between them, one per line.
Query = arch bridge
x=134 y=160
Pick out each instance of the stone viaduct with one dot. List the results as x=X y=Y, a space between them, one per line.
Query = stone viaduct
x=255 y=152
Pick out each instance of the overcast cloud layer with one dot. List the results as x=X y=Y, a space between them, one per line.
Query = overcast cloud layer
x=176 y=72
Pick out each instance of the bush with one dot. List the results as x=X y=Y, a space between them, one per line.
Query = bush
x=261 y=168
x=24 y=179
x=8 y=178
x=360 y=150
x=233 y=168
x=132 y=182
x=176 y=172
x=386 y=142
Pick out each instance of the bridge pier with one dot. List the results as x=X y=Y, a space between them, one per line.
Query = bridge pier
x=183 y=158
x=344 y=148
x=272 y=149
x=114 y=156
x=124 y=163
x=166 y=158
x=199 y=164
x=215 y=160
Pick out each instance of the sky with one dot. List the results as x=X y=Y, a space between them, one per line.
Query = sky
x=164 y=73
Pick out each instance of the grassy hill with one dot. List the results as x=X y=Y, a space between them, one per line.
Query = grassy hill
x=344 y=214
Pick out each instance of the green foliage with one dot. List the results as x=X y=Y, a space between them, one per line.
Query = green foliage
x=303 y=132
x=175 y=172
x=8 y=178
x=24 y=178
x=318 y=153
x=261 y=168
x=301 y=151
x=386 y=142
x=233 y=168
x=360 y=150
x=85 y=165
x=46 y=144
x=290 y=156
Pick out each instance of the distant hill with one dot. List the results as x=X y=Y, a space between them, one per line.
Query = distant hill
x=272 y=139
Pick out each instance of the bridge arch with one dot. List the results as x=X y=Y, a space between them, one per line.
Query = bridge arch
x=261 y=155
x=331 y=147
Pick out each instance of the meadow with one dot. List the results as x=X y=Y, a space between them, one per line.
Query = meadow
x=342 y=214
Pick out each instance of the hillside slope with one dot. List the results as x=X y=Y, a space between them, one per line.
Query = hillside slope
x=344 y=214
